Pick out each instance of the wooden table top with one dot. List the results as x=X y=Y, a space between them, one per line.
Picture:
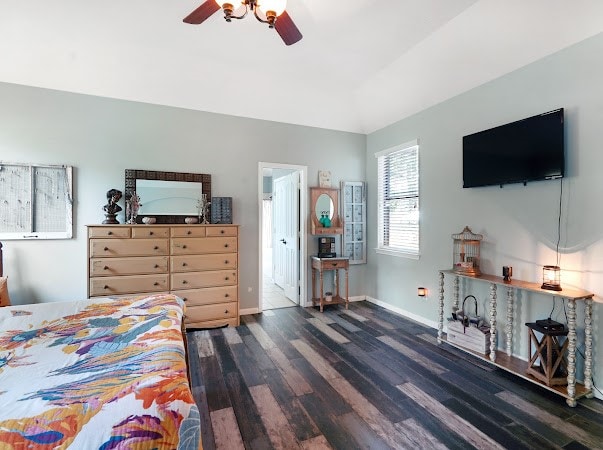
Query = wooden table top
x=573 y=294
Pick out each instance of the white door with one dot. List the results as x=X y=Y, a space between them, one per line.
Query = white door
x=278 y=250
x=285 y=250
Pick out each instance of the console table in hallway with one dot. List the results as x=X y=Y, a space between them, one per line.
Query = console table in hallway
x=505 y=359
x=322 y=265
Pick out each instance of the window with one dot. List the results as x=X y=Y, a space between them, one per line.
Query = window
x=398 y=199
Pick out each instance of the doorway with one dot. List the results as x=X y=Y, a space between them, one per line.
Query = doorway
x=282 y=240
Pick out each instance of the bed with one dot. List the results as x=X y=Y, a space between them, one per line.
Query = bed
x=96 y=374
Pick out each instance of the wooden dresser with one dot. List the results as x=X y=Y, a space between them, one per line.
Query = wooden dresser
x=196 y=262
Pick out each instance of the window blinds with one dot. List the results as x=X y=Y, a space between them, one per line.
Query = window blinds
x=398 y=199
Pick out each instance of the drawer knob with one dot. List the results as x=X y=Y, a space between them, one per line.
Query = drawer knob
x=155 y=248
x=225 y=311
x=333 y=264
x=105 y=287
x=225 y=245
x=189 y=232
x=184 y=282
x=185 y=299
x=184 y=264
x=226 y=278
x=225 y=261
x=221 y=231
x=109 y=233
x=156 y=283
x=226 y=295
x=150 y=233
x=184 y=246
x=156 y=266
x=106 y=248
x=106 y=268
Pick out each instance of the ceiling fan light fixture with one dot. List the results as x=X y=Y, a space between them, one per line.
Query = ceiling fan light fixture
x=228 y=8
x=221 y=3
x=270 y=11
x=272 y=8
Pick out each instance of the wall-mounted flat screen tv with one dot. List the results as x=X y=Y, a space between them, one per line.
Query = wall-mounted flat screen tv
x=527 y=150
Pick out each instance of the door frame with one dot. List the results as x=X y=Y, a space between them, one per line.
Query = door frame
x=303 y=239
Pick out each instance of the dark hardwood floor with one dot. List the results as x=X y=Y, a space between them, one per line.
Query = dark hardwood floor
x=368 y=379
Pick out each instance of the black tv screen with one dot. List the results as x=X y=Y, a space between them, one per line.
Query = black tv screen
x=527 y=150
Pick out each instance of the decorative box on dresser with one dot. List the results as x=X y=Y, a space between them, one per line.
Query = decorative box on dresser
x=196 y=262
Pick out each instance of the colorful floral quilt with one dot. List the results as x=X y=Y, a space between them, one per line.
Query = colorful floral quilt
x=96 y=374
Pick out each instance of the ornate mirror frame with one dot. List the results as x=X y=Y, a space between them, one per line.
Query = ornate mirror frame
x=316 y=226
x=132 y=175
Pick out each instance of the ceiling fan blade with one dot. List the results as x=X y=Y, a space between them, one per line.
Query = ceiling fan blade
x=202 y=12
x=287 y=29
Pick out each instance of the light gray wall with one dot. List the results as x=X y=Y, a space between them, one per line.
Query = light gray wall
x=519 y=223
x=101 y=137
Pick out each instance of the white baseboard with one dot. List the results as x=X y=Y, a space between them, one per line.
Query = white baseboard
x=248 y=311
x=403 y=312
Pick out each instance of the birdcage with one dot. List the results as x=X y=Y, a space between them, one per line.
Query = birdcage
x=465 y=252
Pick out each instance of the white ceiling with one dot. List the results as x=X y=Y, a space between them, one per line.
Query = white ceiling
x=362 y=64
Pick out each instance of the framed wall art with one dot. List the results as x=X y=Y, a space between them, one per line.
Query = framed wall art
x=37 y=201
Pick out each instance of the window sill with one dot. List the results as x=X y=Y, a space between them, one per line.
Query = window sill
x=397 y=253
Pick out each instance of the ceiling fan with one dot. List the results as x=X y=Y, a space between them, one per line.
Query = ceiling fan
x=271 y=12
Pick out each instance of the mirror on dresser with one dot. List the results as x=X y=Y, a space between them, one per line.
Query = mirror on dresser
x=325 y=203
x=169 y=197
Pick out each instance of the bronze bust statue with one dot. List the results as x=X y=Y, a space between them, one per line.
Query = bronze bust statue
x=112 y=208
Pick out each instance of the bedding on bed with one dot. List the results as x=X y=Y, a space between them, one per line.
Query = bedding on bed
x=96 y=374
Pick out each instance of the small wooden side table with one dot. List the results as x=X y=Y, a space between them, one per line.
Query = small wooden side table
x=322 y=265
x=548 y=362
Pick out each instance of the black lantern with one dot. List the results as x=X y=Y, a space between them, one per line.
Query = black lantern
x=551 y=278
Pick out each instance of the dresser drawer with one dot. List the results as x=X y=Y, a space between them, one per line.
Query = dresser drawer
x=207 y=296
x=128 y=284
x=187 y=246
x=192 y=231
x=128 y=247
x=192 y=280
x=232 y=322
x=109 y=232
x=150 y=232
x=212 y=312
x=221 y=231
x=193 y=263
x=103 y=267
